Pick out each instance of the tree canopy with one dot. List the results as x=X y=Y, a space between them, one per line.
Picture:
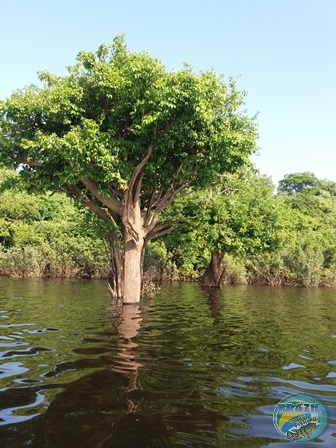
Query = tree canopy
x=115 y=109
x=124 y=136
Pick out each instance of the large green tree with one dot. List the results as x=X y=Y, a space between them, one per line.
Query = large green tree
x=125 y=136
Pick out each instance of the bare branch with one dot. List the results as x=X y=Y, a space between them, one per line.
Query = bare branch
x=164 y=202
x=162 y=229
x=117 y=193
x=132 y=195
x=138 y=189
x=110 y=202
x=155 y=196
x=31 y=163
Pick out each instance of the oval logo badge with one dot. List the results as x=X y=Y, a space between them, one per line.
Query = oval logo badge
x=301 y=417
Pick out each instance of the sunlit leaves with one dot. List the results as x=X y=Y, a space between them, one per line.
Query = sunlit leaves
x=113 y=104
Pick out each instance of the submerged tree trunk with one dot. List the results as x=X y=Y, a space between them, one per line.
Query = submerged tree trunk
x=213 y=276
x=125 y=279
x=132 y=270
x=131 y=226
x=116 y=277
x=126 y=274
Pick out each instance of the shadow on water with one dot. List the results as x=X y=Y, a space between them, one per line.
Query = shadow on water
x=192 y=368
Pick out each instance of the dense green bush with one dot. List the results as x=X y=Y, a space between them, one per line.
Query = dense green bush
x=46 y=235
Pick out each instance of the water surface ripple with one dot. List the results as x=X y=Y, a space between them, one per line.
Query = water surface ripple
x=189 y=368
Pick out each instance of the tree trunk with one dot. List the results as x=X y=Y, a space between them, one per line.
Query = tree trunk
x=121 y=211
x=213 y=276
x=132 y=269
x=125 y=279
x=116 y=277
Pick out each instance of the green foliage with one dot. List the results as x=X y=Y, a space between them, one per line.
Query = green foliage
x=119 y=129
x=234 y=270
x=312 y=261
x=266 y=238
x=99 y=120
x=297 y=182
x=124 y=136
x=305 y=183
x=45 y=235
x=238 y=216
x=288 y=238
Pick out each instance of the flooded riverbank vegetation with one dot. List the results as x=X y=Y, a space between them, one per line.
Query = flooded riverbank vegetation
x=124 y=136
x=45 y=235
x=244 y=231
x=160 y=161
x=240 y=231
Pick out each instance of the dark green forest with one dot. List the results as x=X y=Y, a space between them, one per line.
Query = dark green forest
x=241 y=229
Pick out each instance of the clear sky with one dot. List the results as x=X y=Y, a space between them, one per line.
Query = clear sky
x=282 y=52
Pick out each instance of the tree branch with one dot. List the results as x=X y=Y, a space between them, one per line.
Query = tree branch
x=136 y=172
x=132 y=195
x=164 y=202
x=86 y=201
x=31 y=163
x=155 y=196
x=137 y=191
x=162 y=229
x=110 y=202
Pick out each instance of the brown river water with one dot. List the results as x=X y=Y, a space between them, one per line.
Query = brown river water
x=188 y=368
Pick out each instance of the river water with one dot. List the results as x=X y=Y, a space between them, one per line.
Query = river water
x=188 y=368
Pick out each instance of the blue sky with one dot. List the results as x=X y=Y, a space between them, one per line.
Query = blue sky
x=282 y=52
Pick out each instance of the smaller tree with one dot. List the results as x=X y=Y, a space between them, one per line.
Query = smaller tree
x=295 y=183
x=238 y=216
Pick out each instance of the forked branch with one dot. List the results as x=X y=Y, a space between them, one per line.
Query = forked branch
x=164 y=203
x=135 y=180
x=162 y=229
x=131 y=198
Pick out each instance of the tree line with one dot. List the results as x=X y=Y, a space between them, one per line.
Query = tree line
x=239 y=230
x=46 y=235
x=243 y=231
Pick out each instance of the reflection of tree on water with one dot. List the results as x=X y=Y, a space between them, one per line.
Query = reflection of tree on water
x=125 y=361
x=132 y=428
x=215 y=301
